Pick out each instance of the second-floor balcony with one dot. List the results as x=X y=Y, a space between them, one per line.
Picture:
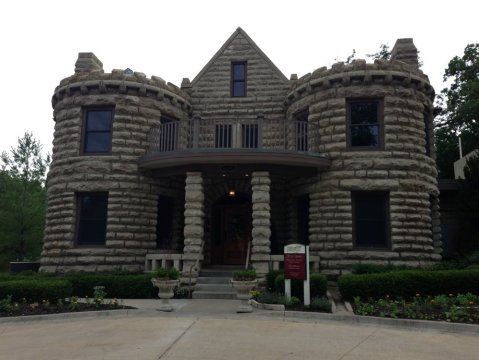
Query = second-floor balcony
x=195 y=141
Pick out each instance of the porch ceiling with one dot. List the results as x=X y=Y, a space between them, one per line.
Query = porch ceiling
x=251 y=159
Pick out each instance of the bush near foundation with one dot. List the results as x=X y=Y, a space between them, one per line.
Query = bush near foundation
x=36 y=290
x=136 y=286
x=317 y=283
x=406 y=284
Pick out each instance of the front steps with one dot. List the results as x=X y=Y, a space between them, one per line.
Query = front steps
x=214 y=283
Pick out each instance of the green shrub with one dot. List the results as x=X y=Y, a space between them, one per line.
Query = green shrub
x=168 y=273
x=116 y=286
x=270 y=279
x=408 y=283
x=321 y=304
x=318 y=285
x=244 y=275
x=375 y=268
x=317 y=282
x=36 y=290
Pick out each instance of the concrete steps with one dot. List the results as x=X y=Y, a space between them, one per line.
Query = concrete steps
x=214 y=283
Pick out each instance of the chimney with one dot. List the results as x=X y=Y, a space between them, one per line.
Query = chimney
x=405 y=50
x=87 y=62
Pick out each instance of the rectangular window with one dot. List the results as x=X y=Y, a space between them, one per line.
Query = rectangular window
x=370 y=219
x=238 y=79
x=426 y=133
x=91 y=218
x=97 y=131
x=365 y=124
x=223 y=136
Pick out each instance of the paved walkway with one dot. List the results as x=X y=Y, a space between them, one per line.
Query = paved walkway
x=206 y=329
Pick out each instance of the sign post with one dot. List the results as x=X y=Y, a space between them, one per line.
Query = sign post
x=296 y=267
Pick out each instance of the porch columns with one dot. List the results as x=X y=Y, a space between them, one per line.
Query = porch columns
x=260 y=252
x=194 y=222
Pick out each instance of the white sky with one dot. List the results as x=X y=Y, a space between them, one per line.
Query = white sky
x=40 y=41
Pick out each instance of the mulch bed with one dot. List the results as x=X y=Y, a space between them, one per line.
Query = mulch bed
x=36 y=309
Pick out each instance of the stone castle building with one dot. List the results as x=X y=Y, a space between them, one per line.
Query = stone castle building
x=242 y=161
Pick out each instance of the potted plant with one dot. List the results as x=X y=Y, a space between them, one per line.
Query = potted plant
x=244 y=281
x=165 y=280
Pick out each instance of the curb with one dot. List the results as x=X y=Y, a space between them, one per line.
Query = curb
x=405 y=324
x=288 y=315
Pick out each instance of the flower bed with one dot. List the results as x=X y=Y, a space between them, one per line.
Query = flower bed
x=463 y=308
x=23 y=307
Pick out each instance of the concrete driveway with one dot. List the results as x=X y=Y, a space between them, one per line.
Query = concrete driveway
x=153 y=335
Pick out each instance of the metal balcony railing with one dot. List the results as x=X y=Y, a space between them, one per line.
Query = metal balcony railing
x=262 y=134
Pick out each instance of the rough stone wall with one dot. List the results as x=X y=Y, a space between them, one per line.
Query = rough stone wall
x=402 y=168
x=266 y=86
x=132 y=196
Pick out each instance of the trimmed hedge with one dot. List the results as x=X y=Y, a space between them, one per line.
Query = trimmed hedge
x=36 y=290
x=407 y=283
x=116 y=286
x=317 y=285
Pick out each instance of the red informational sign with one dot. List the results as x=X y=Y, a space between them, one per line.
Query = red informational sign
x=295 y=266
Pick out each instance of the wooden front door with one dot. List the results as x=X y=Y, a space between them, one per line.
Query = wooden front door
x=235 y=233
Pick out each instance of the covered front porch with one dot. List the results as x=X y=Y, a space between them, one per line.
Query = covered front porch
x=233 y=217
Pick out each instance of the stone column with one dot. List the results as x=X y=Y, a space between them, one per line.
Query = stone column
x=260 y=252
x=194 y=222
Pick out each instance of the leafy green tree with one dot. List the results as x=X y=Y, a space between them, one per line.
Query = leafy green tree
x=383 y=54
x=22 y=200
x=458 y=107
x=351 y=57
x=468 y=207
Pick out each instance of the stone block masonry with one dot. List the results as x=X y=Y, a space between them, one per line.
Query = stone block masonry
x=401 y=167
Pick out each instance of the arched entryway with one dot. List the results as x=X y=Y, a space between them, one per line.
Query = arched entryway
x=231 y=229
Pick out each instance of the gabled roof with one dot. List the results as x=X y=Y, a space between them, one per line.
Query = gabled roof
x=226 y=44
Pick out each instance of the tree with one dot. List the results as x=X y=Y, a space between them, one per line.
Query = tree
x=467 y=203
x=350 y=58
x=458 y=107
x=383 y=54
x=22 y=199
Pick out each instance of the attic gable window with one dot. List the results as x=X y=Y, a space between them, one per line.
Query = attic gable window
x=238 y=79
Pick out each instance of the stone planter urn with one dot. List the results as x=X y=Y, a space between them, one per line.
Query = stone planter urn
x=165 y=279
x=165 y=291
x=244 y=282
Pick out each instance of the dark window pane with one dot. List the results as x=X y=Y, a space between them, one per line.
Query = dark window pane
x=370 y=219
x=98 y=142
x=238 y=72
x=364 y=112
x=92 y=218
x=98 y=120
x=239 y=89
x=365 y=135
x=97 y=136
x=426 y=130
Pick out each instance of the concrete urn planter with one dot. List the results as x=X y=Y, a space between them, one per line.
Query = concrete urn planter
x=165 y=291
x=243 y=289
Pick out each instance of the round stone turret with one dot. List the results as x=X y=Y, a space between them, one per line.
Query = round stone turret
x=397 y=160
x=97 y=157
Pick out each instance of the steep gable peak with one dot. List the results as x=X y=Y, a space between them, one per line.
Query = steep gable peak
x=239 y=33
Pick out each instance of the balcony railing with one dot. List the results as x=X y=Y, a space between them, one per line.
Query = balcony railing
x=262 y=134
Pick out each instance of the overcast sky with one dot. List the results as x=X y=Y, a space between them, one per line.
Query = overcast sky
x=40 y=41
